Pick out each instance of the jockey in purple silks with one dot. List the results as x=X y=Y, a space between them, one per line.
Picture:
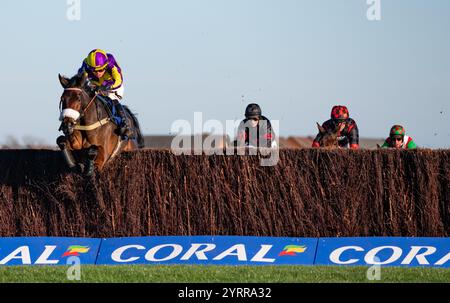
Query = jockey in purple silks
x=104 y=72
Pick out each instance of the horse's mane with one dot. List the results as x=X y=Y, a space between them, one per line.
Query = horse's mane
x=80 y=81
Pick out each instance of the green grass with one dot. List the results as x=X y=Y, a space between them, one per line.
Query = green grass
x=221 y=274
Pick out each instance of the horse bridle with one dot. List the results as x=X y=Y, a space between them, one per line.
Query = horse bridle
x=84 y=92
x=90 y=127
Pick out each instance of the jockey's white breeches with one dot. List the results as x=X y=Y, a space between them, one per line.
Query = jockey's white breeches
x=116 y=94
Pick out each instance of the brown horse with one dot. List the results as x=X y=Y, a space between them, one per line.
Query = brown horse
x=329 y=137
x=90 y=136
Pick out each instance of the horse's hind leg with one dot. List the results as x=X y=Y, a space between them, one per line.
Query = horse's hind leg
x=92 y=154
x=68 y=156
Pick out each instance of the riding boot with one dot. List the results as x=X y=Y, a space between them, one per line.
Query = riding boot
x=124 y=130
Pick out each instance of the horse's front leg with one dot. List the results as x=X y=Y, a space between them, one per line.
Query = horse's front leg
x=67 y=153
x=76 y=141
x=92 y=153
x=101 y=158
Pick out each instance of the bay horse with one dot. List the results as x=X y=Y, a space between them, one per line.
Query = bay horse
x=90 y=135
x=329 y=138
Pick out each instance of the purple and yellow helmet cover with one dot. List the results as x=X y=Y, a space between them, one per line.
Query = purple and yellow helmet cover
x=97 y=60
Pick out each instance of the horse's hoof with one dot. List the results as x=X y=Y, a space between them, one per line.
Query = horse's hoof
x=79 y=169
x=61 y=141
x=89 y=170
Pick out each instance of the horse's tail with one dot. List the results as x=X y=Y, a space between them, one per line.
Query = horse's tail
x=137 y=128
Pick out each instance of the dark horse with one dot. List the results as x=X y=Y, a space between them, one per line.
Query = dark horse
x=89 y=129
x=329 y=137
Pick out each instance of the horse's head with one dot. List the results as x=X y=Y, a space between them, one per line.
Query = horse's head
x=329 y=138
x=73 y=100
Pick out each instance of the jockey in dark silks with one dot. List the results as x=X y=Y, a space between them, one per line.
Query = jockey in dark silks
x=255 y=130
x=348 y=134
x=104 y=72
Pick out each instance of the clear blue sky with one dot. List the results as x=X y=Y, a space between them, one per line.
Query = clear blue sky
x=295 y=58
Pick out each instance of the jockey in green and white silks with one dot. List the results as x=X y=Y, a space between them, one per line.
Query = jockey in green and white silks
x=398 y=139
x=104 y=72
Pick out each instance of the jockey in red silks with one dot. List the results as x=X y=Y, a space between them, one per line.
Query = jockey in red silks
x=348 y=134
